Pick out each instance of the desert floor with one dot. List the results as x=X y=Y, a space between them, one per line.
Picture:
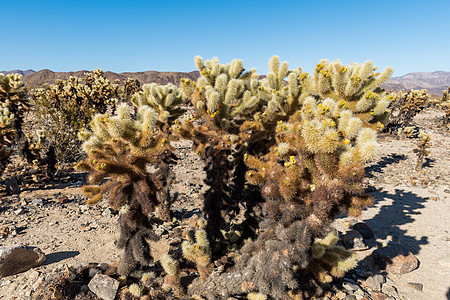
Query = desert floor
x=411 y=208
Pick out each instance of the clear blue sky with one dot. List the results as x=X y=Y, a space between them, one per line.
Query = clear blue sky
x=162 y=35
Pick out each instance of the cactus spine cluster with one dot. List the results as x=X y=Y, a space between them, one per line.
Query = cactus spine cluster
x=354 y=86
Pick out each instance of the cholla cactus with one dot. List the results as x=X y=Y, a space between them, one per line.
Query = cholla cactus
x=14 y=104
x=315 y=171
x=120 y=147
x=196 y=248
x=406 y=106
x=7 y=135
x=329 y=260
x=354 y=86
x=445 y=104
x=172 y=279
x=238 y=113
x=166 y=100
x=421 y=150
x=302 y=143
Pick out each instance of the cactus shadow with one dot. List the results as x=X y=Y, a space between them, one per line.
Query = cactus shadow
x=383 y=163
x=429 y=163
x=183 y=213
x=386 y=224
x=59 y=256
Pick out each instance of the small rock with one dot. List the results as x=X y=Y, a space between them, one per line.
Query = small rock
x=18 y=211
x=84 y=228
x=445 y=261
x=160 y=231
x=364 y=229
x=341 y=295
x=108 y=212
x=389 y=289
x=37 y=201
x=395 y=259
x=350 y=286
x=350 y=297
x=104 y=286
x=6 y=282
x=379 y=296
x=62 y=199
x=415 y=285
x=16 y=259
x=353 y=240
x=374 y=282
x=93 y=272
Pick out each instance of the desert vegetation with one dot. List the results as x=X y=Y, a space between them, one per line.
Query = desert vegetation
x=283 y=155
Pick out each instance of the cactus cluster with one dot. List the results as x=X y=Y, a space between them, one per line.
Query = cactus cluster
x=354 y=86
x=288 y=149
x=302 y=142
x=64 y=108
x=13 y=106
x=406 y=106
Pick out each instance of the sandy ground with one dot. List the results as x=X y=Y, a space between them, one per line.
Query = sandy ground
x=411 y=208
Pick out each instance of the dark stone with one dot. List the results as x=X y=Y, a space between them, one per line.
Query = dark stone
x=364 y=229
x=395 y=259
x=16 y=259
x=12 y=187
x=353 y=240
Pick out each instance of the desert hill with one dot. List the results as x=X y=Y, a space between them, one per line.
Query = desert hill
x=434 y=82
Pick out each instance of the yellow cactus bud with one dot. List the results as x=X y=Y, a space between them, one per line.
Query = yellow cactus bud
x=312 y=187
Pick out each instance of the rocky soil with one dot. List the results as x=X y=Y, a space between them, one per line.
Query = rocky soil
x=411 y=209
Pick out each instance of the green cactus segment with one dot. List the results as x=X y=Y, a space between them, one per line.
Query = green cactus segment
x=196 y=249
x=172 y=279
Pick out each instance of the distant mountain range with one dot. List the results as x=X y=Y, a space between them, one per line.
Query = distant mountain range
x=434 y=82
x=32 y=78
